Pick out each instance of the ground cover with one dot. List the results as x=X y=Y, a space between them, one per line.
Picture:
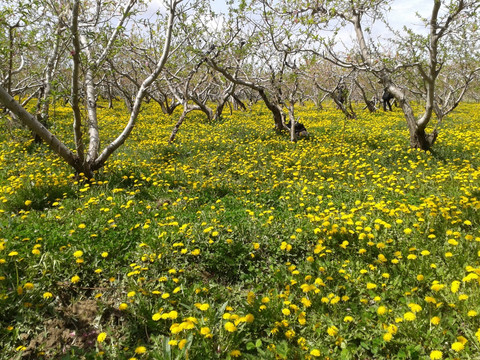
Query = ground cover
x=235 y=243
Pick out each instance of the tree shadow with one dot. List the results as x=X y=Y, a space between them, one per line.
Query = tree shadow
x=39 y=197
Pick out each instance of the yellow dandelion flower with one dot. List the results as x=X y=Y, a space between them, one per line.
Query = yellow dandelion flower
x=381 y=310
x=332 y=330
x=289 y=334
x=455 y=286
x=172 y=315
x=392 y=329
x=306 y=302
x=176 y=328
x=235 y=353
x=28 y=286
x=437 y=287
x=315 y=353
x=230 y=327
x=140 y=350
x=462 y=339
x=101 y=337
x=202 y=307
x=457 y=346
x=182 y=344
x=415 y=307
x=472 y=313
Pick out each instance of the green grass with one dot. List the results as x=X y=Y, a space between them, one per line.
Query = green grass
x=348 y=223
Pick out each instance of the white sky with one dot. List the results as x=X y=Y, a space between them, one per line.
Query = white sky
x=402 y=11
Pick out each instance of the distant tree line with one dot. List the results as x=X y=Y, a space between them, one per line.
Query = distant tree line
x=184 y=55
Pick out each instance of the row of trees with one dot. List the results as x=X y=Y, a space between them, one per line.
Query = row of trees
x=280 y=52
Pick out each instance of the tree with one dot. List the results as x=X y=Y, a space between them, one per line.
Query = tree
x=419 y=57
x=259 y=54
x=19 y=72
x=89 y=51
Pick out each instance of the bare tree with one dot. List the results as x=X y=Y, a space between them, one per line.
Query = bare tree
x=87 y=161
x=260 y=53
x=421 y=56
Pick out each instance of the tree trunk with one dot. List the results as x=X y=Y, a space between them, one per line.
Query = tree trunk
x=110 y=96
x=219 y=111
x=39 y=114
x=421 y=140
x=291 y=115
x=203 y=107
x=177 y=125
x=278 y=115
x=91 y=94
x=31 y=121
x=238 y=103
x=115 y=144
x=223 y=100
x=370 y=105
x=77 y=119
x=349 y=114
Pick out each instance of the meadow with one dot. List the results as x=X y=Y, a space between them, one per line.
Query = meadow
x=234 y=242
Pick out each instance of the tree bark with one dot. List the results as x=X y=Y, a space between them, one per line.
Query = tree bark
x=77 y=119
x=49 y=71
x=278 y=115
x=31 y=121
x=115 y=144
x=369 y=104
x=91 y=97
x=178 y=124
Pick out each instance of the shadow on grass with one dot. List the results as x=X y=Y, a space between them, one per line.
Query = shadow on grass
x=41 y=197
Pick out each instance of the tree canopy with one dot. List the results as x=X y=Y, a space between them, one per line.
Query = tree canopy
x=184 y=54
